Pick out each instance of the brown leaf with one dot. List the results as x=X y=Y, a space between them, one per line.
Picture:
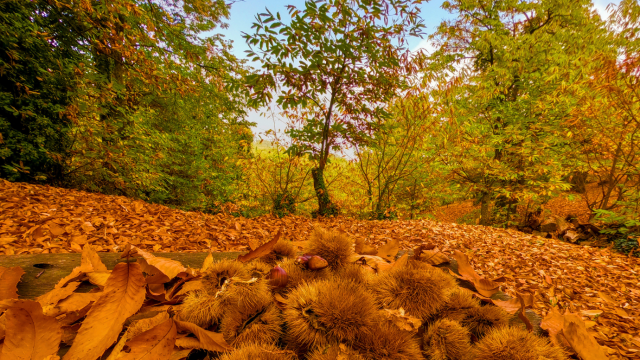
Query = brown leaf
x=400 y=263
x=364 y=249
x=434 y=257
x=75 y=302
x=208 y=261
x=9 y=279
x=123 y=295
x=207 y=340
x=581 y=341
x=29 y=333
x=262 y=250
x=99 y=278
x=522 y=315
x=389 y=250
x=464 y=268
x=403 y=321
x=375 y=262
x=54 y=296
x=90 y=262
x=155 y=343
x=159 y=270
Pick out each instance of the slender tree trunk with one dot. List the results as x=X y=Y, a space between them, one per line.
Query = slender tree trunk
x=484 y=209
x=325 y=206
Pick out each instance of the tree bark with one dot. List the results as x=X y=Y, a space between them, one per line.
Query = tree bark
x=325 y=206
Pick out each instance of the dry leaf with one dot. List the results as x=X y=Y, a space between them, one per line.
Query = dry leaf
x=581 y=341
x=261 y=251
x=403 y=321
x=123 y=296
x=389 y=250
x=9 y=279
x=207 y=340
x=208 y=261
x=30 y=334
x=364 y=249
x=90 y=262
x=375 y=262
x=159 y=270
x=155 y=343
x=400 y=263
x=98 y=278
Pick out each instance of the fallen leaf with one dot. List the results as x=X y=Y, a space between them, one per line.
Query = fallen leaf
x=159 y=270
x=30 y=335
x=55 y=295
x=400 y=263
x=402 y=321
x=389 y=250
x=208 y=261
x=581 y=341
x=375 y=262
x=89 y=262
x=155 y=343
x=9 y=279
x=364 y=249
x=123 y=295
x=207 y=340
x=262 y=250
x=99 y=278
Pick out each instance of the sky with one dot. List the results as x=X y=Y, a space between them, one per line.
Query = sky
x=242 y=16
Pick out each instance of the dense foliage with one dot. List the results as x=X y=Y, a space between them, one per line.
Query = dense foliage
x=518 y=103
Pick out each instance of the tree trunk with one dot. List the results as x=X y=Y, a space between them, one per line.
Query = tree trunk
x=484 y=209
x=325 y=206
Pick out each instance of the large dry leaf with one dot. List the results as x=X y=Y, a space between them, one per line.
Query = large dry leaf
x=208 y=261
x=9 y=279
x=159 y=270
x=99 y=278
x=400 y=263
x=262 y=250
x=389 y=250
x=364 y=249
x=581 y=341
x=123 y=295
x=136 y=328
x=553 y=324
x=402 y=320
x=513 y=305
x=207 y=340
x=374 y=262
x=55 y=295
x=90 y=262
x=75 y=302
x=464 y=268
x=155 y=343
x=30 y=335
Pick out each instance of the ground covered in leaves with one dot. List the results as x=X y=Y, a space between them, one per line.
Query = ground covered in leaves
x=597 y=285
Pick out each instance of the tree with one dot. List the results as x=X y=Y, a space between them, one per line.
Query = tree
x=509 y=72
x=333 y=68
x=395 y=154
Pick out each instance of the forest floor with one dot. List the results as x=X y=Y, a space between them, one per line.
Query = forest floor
x=597 y=283
x=568 y=204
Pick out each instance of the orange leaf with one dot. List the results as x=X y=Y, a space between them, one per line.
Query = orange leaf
x=208 y=261
x=207 y=340
x=123 y=295
x=262 y=250
x=9 y=279
x=155 y=343
x=400 y=263
x=464 y=268
x=30 y=335
x=90 y=262
x=389 y=250
x=584 y=344
x=159 y=270
x=364 y=249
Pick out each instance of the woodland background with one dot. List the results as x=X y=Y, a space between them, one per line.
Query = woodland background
x=519 y=104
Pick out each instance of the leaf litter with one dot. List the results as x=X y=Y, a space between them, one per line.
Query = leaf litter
x=596 y=286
